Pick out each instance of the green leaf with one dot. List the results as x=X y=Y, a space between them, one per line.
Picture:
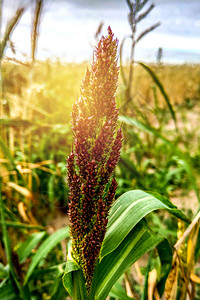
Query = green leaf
x=166 y=256
x=22 y=225
x=94 y=281
x=118 y=292
x=74 y=282
x=4 y=271
x=59 y=292
x=71 y=266
x=112 y=266
x=7 y=292
x=57 y=269
x=128 y=210
x=80 y=292
x=8 y=155
x=197 y=250
x=182 y=158
x=26 y=248
x=6 y=240
x=162 y=90
x=145 y=289
x=45 y=248
x=144 y=127
x=171 y=207
x=126 y=164
x=185 y=164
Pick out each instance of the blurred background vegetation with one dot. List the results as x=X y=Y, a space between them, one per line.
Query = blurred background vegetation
x=160 y=118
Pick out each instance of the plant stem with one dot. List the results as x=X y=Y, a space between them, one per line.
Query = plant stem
x=5 y=233
x=7 y=245
x=21 y=225
x=187 y=231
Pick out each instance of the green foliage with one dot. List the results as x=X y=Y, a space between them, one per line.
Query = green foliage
x=11 y=284
x=154 y=157
x=137 y=242
x=118 y=292
x=133 y=205
x=163 y=92
x=26 y=247
x=45 y=248
x=127 y=239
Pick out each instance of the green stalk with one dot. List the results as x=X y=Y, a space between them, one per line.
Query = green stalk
x=51 y=269
x=79 y=286
x=145 y=291
x=5 y=233
x=21 y=225
x=7 y=243
x=162 y=90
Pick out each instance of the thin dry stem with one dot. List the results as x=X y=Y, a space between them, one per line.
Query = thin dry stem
x=147 y=31
x=187 y=231
x=9 y=28
x=35 y=29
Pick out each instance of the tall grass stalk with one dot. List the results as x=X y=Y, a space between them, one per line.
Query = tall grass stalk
x=134 y=17
x=7 y=242
x=28 y=112
x=35 y=27
x=3 y=43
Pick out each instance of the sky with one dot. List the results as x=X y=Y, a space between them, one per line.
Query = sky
x=67 y=29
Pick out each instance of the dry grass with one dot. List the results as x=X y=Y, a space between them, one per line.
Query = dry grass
x=181 y=82
x=60 y=83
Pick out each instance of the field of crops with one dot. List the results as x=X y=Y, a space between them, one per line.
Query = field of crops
x=36 y=139
x=99 y=172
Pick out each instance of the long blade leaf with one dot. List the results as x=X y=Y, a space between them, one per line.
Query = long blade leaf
x=160 y=86
x=166 y=256
x=8 y=292
x=25 y=248
x=128 y=210
x=73 y=281
x=118 y=292
x=144 y=127
x=112 y=266
x=45 y=248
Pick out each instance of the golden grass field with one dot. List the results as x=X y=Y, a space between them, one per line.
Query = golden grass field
x=36 y=138
x=54 y=87
x=37 y=103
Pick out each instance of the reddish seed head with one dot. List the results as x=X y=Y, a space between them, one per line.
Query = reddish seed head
x=97 y=144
